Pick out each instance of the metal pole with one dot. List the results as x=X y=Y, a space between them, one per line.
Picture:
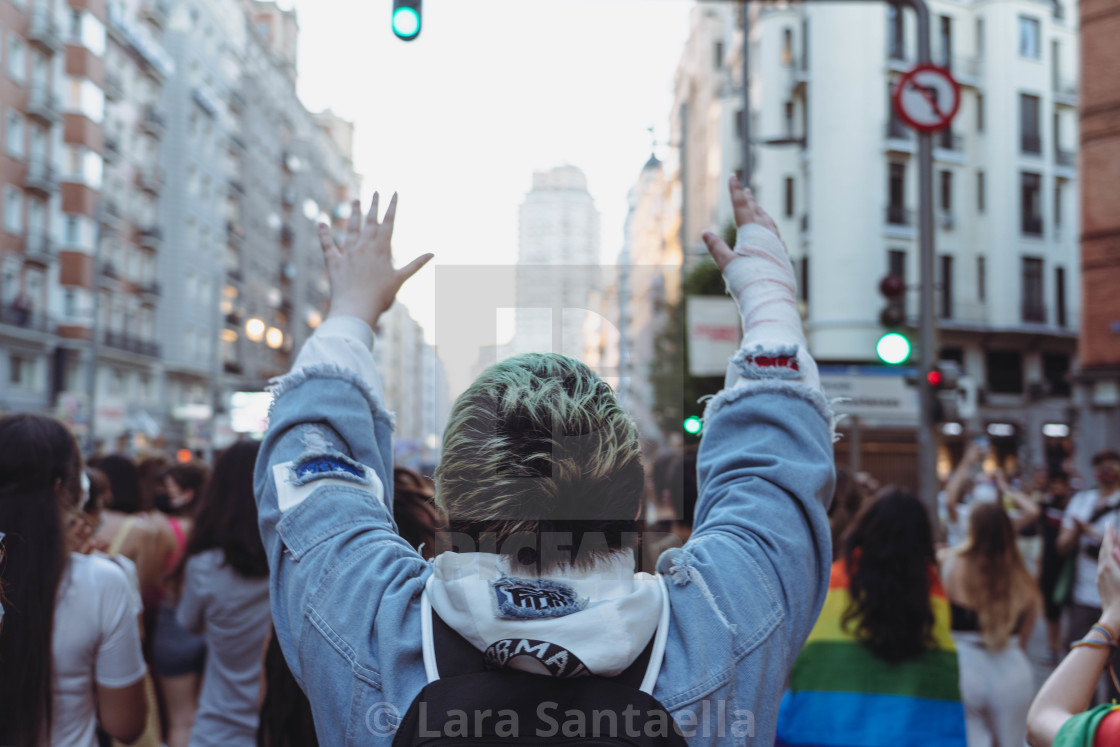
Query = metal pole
x=746 y=115
x=927 y=319
x=854 y=445
x=215 y=365
x=94 y=334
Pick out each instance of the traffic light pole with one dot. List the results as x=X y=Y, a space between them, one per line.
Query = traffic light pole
x=927 y=319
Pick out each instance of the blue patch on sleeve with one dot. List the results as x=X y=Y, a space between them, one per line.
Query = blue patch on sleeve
x=530 y=599
x=325 y=465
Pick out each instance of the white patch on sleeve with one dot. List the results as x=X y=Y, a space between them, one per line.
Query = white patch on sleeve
x=289 y=496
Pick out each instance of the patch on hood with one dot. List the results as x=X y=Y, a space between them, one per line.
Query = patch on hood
x=530 y=598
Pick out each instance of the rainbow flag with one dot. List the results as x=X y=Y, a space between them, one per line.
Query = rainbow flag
x=842 y=695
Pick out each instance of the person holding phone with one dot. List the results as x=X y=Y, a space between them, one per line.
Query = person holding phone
x=1089 y=515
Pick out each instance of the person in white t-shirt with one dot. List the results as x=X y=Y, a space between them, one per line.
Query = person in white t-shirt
x=1088 y=516
x=69 y=627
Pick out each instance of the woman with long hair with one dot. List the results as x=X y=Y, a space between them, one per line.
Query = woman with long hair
x=224 y=579
x=69 y=637
x=879 y=666
x=178 y=656
x=126 y=527
x=994 y=601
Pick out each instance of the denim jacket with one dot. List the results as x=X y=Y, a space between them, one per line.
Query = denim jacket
x=744 y=591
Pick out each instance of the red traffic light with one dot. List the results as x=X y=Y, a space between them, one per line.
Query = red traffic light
x=892 y=286
x=934 y=378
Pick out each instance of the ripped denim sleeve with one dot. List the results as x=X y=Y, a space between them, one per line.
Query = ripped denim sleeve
x=320 y=464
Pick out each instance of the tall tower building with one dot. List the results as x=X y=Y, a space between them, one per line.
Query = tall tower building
x=558 y=262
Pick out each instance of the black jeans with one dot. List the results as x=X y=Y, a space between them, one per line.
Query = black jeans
x=1081 y=619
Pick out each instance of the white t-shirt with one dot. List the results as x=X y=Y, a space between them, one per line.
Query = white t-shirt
x=1082 y=507
x=96 y=641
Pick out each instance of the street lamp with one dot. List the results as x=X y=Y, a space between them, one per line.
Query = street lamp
x=254 y=330
x=274 y=338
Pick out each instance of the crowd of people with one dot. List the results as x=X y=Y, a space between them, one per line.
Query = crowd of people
x=303 y=589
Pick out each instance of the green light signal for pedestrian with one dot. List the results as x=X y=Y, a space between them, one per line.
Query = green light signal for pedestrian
x=692 y=424
x=893 y=348
x=406 y=22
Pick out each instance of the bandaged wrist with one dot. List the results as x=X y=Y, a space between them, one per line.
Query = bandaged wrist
x=762 y=282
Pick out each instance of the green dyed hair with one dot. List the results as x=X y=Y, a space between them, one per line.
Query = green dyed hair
x=540 y=445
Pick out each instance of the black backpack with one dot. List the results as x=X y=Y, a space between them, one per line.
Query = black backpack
x=471 y=702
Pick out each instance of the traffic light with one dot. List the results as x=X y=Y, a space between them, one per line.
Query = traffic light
x=893 y=346
x=693 y=425
x=944 y=384
x=406 y=19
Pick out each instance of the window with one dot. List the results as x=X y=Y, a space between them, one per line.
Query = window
x=739 y=124
x=76 y=26
x=945 y=39
x=789 y=197
x=1031 y=204
x=946 y=286
x=1005 y=372
x=946 y=139
x=13 y=210
x=1033 y=309
x=804 y=279
x=1055 y=369
x=789 y=118
x=13 y=135
x=980 y=191
x=1059 y=184
x=17 y=59
x=1028 y=37
x=896 y=38
x=71 y=234
x=981 y=279
x=1060 y=296
x=1030 y=138
x=979 y=112
x=896 y=191
x=947 y=191
x=787 y=47
x=1056 y=66
x=979 y=37
x=804 y=43
x=896 y=263
x=21 y=371
x=895 y=127
x=717 y=56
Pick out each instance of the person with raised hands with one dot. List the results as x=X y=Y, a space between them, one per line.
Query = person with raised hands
x=533 y=588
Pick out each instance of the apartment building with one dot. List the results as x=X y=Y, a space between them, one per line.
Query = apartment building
x=838 y=172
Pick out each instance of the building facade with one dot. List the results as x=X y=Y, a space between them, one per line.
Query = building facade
x=838 y=172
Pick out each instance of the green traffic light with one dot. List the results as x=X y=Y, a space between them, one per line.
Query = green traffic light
x=893 y=348
x=406 y=22
x=693 y=425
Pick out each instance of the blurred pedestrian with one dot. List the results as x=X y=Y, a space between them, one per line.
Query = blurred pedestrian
x=994 y=601
x=879 y=667
x=847 y=500
x=1053 y=564
x=178 y=656
x=126 y=527
x=1089 y=514
x=69 y=636
x=224 y=577
x=1058 y=715
x=418 y=518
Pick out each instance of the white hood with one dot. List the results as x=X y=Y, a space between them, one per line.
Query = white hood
x=565 y=623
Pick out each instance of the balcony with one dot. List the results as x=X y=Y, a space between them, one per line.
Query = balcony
x=1034 y=312
x=899 y=216
x=156 y=13
x=153 y=123
x=37 y=248
x=947 y=141
x=1031 y=144
x=150 y=290
x=122 y=341
x=947 y=221
x=1065 y=91
x=151 y=238
x=896 y=56
x=112 y=149
x=286 y=234
x=233 y=367
x=968 y=70
x=43 y=105
x=43 y=31
x=114 y=88
x=1065 y=158
x=40 y=178
x=1032 y=225
x=900 y=138
x=25 y=318
x=150 y=179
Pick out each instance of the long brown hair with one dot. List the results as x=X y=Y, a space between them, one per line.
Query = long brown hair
x=39 y=476
x=997 y=584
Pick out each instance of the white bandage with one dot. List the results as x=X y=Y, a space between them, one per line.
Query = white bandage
x=762 y=282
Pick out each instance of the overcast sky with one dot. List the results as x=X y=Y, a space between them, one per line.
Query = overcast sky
x=458 y=120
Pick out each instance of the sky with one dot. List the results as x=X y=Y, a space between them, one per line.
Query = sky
x=457 y=120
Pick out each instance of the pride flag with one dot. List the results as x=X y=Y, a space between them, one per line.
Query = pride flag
x=842 y=695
